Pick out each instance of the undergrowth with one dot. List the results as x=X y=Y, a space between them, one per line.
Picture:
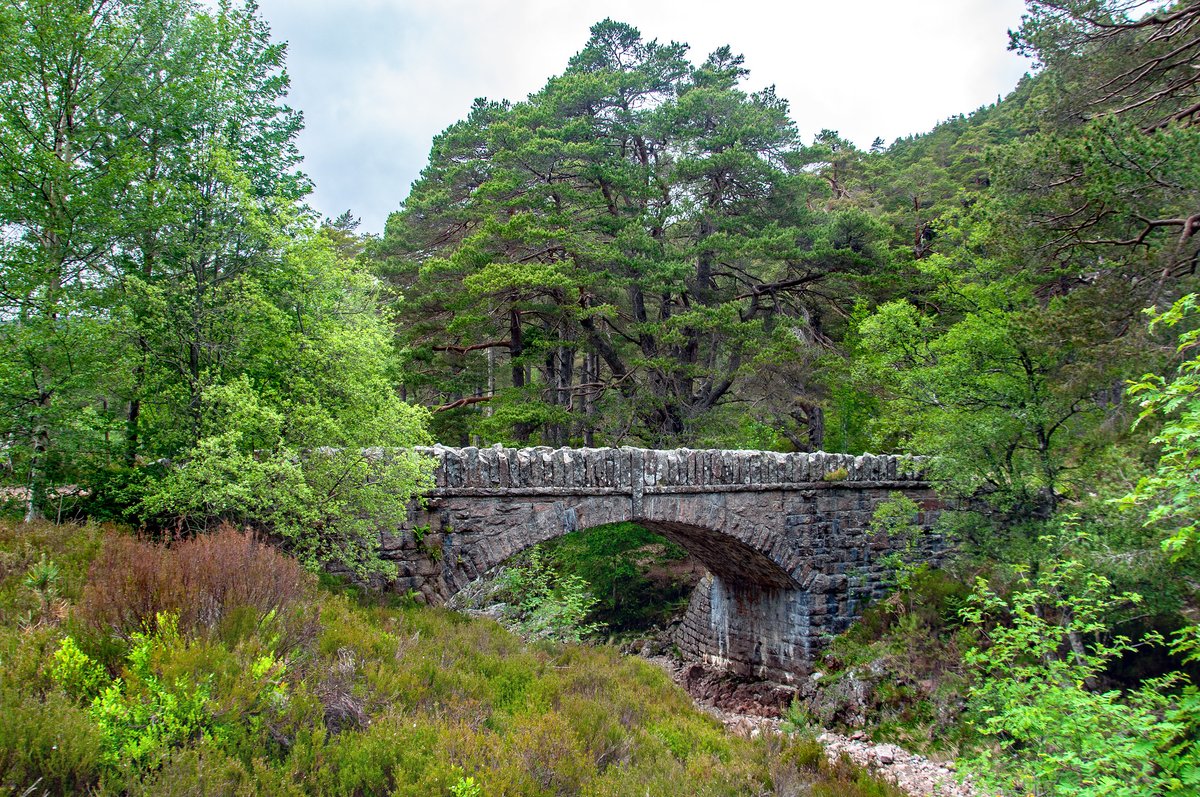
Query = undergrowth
x=897 y=673
x=213 y=666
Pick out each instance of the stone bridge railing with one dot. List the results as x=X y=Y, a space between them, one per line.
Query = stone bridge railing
x=638 y=472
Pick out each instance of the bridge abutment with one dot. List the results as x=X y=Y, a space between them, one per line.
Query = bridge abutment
x=754 y=632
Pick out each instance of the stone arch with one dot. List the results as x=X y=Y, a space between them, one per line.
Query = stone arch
x=470 y=543
x=747 y=615
x=724 y=555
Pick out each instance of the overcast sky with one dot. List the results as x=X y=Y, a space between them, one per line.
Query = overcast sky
x=377 y=79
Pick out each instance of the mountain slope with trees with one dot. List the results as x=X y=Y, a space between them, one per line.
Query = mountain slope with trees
x=642 y=252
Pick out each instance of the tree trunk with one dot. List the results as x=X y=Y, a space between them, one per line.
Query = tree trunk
x=815 y=424
x=591 y=376
x=516 y=348
x=40 y=445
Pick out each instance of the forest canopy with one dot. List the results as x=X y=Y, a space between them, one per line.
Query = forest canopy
x=178 y=331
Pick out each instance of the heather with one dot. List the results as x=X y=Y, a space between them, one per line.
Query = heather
x=216 y=665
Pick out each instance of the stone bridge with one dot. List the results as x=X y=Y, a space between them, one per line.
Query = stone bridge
x=785 y=537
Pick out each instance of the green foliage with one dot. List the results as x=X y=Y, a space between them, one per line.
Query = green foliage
x=27 y=594
x=626 y=252
x=156 y=706
x=548 y=604
x=77 y=673
x=43 y=581
x=69 y=75
x=798 y=721
x=1036 y=697
x=140 y=717
x=208 y=353
x=981 y=394
x=326 y=504
x=466 y=787
x=1173 y=487
x=896 y=520
x=638 y=578
x=897 y=673
x=48 y=744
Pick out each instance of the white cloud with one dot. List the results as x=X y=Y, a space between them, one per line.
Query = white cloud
x=377 y=79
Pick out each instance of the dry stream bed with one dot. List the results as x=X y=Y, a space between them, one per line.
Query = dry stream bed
x=752 y=708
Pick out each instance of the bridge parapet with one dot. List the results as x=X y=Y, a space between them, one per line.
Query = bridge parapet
x=600 y=471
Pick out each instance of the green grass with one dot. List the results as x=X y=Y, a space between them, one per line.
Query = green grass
x=364 y=698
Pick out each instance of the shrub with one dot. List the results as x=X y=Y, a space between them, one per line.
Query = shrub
x=798 y=721
x=200 y=580
x=41 y=565
x=48 y=741
x=549 y=605
x=199 y=770
x=466 y=787
x=895 y=519
x=142 y=716
x=76 y=672
x=898 y=669
x=172 y=693
x=258 y=464
x=1037 y=697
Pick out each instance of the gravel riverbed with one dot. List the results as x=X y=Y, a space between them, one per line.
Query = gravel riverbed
x=753 y=709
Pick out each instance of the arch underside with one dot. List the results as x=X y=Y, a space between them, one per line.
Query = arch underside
x=725 y=556
x=747 y=615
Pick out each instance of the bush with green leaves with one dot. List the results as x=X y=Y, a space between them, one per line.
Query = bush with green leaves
x=140 y=715
x=144 y=715
x=327 y=505
x=546 y=603
x=1172 y=491
x=1047 y=726
x=466 y=787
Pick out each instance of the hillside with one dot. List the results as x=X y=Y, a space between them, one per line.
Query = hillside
x=220 y=667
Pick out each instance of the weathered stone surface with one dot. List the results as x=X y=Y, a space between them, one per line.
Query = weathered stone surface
x=785 y=537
